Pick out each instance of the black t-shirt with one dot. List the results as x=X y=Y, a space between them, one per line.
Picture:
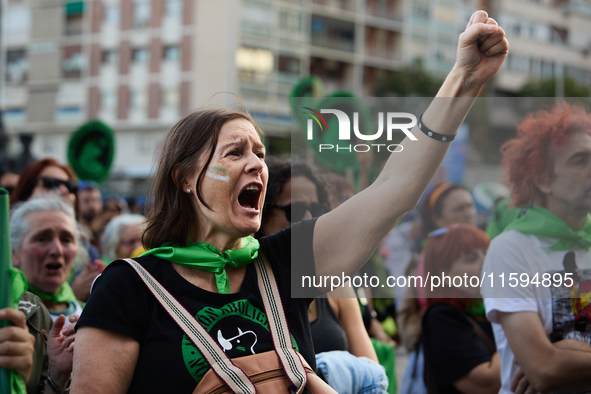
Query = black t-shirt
x=168 y=360
x=451 y=344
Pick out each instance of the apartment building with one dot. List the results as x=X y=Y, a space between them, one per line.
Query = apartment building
x=139 y=65
x=549 y=38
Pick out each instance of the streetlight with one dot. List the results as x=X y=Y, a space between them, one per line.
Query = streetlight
x=559 y=74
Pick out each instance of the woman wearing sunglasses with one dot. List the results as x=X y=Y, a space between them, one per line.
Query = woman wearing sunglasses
x=46 y=177
x=296 y=192
x=458 y=342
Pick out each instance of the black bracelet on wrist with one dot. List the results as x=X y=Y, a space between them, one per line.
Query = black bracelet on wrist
x=54 y=387
x=432 y=134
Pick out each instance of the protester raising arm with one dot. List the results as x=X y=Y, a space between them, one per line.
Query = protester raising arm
x=481 y=51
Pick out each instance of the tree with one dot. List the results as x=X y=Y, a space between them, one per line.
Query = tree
x=547 y=88
x=412 y=80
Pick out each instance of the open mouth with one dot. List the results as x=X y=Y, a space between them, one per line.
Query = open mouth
x=53 y=266
x=249 y=197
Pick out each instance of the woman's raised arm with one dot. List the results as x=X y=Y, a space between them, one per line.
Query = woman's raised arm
x=345 y=238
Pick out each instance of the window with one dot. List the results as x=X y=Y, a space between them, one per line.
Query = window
x=257 y=60
x=290 y=20
x=547 y=69
x=141 y=15
x=290 y=25
x=110 y=56
x=138 y=99
x=332 y=33
x=288 y=68
x=73 y=25
x=72 y=62
x=112 y=13
x=172 y=53
x=67 y=113
x=49 y=145
x=16 y=20
x=258 y=19
x=140 y=55
x=288 y=64
x=17 y=66
x=173 y=8
x=14 y=115
x=170 y=98
x=108 y=99
x=74 y=12
x=559 y=36
x=254 y=65
x=421 y=11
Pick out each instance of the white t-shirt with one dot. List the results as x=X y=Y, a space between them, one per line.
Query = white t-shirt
x=561 y=316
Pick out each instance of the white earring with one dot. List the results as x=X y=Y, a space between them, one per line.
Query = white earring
x=188 y=190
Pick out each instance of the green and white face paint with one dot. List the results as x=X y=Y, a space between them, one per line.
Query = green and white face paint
x=218 y=173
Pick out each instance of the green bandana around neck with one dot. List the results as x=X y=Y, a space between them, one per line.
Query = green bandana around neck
x=476 y=307
x=64 y=296
x=206 y=257
x=19 y=286
x=543 y=223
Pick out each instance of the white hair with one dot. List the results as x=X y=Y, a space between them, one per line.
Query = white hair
x=19 y=223
x=112 y=234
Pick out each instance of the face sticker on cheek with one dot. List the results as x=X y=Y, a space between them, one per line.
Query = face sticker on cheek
x=218 y=173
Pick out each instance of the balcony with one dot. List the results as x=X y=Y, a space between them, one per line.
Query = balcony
x=332 y=34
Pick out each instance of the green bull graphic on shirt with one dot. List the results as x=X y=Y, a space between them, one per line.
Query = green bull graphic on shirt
x=238 y=327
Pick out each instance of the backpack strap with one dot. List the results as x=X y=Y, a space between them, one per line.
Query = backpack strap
x=233 y=376
x=290 y=360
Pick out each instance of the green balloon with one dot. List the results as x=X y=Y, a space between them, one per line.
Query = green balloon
x=91 y=151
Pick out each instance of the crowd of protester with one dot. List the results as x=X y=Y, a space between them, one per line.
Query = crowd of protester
x=459 y=339
x=451 y=334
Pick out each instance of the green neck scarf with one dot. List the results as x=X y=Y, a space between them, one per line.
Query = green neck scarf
x=476 y=307
x=205 y=257
x=19 y=286
x=64 y=296
x=541 y=222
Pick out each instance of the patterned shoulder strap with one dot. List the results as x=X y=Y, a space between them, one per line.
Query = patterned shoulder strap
x=291 y=362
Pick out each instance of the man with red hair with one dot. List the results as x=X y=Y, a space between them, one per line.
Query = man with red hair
x=542 y=330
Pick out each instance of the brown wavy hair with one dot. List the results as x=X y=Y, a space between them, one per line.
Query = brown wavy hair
x=189 y=145
x=529 y=156
x=28 y=178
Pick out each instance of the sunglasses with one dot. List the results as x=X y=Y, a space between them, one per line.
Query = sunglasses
x=441 y=231
x=88 y=185
x=50 y=183
x=296 y=211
